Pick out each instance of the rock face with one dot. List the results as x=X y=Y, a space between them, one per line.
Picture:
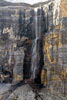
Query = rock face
x=18 y=67
x=27 y=59
x=15 y=51
x=55 y=48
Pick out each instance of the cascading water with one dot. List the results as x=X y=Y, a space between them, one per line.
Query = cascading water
x=10 y=55
x=34 y=64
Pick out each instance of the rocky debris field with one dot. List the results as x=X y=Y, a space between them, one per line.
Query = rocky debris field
x=25 y=92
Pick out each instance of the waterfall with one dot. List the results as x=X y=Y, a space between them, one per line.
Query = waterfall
x=34 y=63
x=10 y=55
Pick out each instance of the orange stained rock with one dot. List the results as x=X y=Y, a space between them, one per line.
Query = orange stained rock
x=44 y=77
x=56 y=38
x=59 y=26
x=64 y=74
x=64 y=8
x=55 y=78
x=18 y=77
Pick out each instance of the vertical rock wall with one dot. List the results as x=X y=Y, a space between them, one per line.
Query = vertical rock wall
x=55 y=47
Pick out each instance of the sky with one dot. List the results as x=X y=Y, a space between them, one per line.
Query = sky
x=27 y=1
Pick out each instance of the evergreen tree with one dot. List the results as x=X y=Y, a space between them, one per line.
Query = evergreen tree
x=28 y=30
x=3 y=24
x=21 y=24
x=41 y=21
x=32 y=23
x=30 y=26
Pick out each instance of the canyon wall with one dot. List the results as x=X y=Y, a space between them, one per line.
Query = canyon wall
x=54 y=71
